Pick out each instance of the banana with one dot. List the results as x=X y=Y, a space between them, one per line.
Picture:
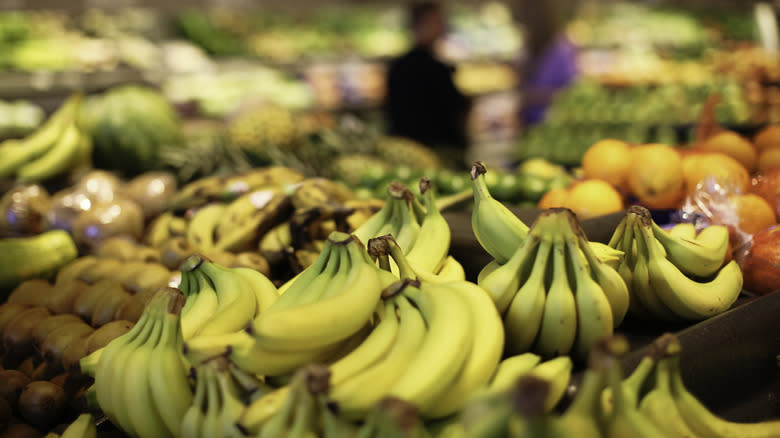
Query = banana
x=451 y=270
x=192 y=420
x=612 y=284
x=211 y=426
x=372 y=350
x=237 y=304
x=497 y=229
x=503 y=282
x=557 y=372
x=82 y=427
x=486 y=350
x=201 y=306
x=201 y=229
x=699 y=257
x=357 y=393
x=322 y=283
x=297 y=288
x=134 y=392
x=59 y=159
x=624 y=420
x=108 y=365
x=686 y=297
x=429 y=251
x=594 y=312
x=559 y=321
x=16 y=153
x=249 y=217
x=642 y=286
x=231 y=406
x=706 y=424
x=659 y=406
x=523 y=319
x=437 y=362
x=253 y=179
x=372 y=226
x=259 y=411
x=331 y=319
x=487 y=270
x=275 y=242
x=405 y=225
x=683 y=230
x=632 y=385
x=582 y=417
x=197 y=193
x=605 y=253
x=510 y=369
x=262 y=286
x=168 y=383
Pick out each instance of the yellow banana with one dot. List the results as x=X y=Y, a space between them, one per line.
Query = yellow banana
x=201 y=229
x=510 y=369
x=486 y=350
x=433 y=239
x=686 y=297
x=557 y=372
x=559 y=321
x=699 y=257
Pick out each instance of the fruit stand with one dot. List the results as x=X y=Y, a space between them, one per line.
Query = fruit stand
x=206 y=231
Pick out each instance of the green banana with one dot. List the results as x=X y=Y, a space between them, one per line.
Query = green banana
x=497 y=229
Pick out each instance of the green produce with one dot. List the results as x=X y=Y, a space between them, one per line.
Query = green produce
x=129 y=126
x=39 y=256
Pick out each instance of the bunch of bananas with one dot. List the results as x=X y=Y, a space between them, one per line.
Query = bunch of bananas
x=606 y=405
x=221 y=393
x=677 y=275
x=418 y=228
x=500 y=232
x=221 y=300
x=141 y=381
x=56 y=148
x=319 y=315
x=556 y=296
x=304 y=409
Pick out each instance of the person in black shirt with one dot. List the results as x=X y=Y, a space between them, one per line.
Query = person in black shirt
x=422 y=101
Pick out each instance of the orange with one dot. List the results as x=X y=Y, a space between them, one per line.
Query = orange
x=733 y=145
x=769 y=158
x=768 y=138
x=608 y=160
x=593 y=197
x=655 y=176
x=721 y=167
x=553 y=198
x=754 y=213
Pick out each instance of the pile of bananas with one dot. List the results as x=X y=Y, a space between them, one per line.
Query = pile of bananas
x=652 y=402
x=56 y=148
x=676 y=275
x=272 y=219
x=554 y=290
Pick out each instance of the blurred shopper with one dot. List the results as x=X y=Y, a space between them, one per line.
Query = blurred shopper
x=423 y=102
x=549 y=61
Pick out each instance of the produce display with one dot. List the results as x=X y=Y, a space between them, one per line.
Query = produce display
x=182 y=260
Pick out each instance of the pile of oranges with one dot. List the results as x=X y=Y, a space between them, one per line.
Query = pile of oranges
x=661 y=176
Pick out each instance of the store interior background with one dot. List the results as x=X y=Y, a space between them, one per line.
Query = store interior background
x=646 y=67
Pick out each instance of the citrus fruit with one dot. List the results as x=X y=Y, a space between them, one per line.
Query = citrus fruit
x=754 y=213
x=733 y=145
x=723 y=168
x=767 y=138
x=769 y=158
x=608 y=160
x=655 y=176
x=553 y=198
x=593 y=197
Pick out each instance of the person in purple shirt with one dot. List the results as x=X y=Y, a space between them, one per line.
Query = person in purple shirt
x=550 y=60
